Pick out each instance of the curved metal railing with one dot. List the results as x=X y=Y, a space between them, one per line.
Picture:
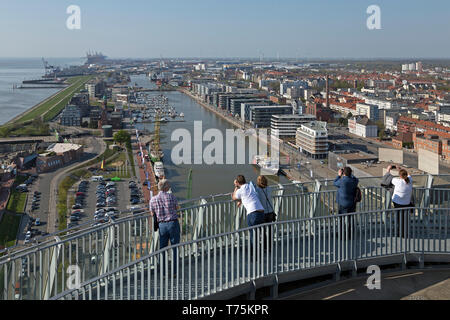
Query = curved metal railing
x=39 y=272
x=227 y=261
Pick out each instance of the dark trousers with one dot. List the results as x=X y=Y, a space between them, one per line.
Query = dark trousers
x=253 y=219
x=402 y=219
x=346 y=222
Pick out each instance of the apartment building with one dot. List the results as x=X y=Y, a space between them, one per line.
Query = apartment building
x=261 y=116
x=362 y=126
x=70 y=116
x=369 y=110
x=285 y=126
x=312 y=139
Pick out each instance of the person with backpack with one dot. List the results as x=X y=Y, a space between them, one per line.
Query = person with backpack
x=401 y=189
x=264 y=194
x=348 y=194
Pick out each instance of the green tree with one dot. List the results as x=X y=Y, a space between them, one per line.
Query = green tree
x=275 y=86
x=122 y=136
x=381 y=130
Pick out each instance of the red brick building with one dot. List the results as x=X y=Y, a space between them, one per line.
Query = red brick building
x=407 y=124
x=321 y=113
x=402 y=140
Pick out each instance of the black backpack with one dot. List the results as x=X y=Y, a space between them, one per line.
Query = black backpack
x=358 y=195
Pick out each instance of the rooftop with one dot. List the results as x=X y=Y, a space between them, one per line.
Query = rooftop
x=63 y=147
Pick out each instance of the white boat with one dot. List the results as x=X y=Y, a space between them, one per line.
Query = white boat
x=182 y=115
x=159 y=169
x=267 y=165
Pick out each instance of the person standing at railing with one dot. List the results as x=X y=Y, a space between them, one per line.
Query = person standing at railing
x=347 y=186
x=265 y=196
x=245 y=193
x=165 y=206
x=402 y=196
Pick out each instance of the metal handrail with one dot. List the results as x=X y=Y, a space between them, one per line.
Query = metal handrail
x=135 y=237
x=300 y=234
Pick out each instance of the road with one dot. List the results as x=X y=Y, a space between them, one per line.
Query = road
x=431 y=284
x=48 y=183
x=97 y=147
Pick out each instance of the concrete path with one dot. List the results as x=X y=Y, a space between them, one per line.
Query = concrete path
x=406 y=285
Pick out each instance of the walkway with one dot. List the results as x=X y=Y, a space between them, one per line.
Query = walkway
x=208 y=267
x=419 y=284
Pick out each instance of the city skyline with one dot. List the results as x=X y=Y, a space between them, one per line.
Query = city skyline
x=209 y=29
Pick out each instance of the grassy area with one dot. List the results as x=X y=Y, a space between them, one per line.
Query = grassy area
x=8 y=229
x=17 y=202
x=35 y=127
x=59 y=106
x=121 y=157
x=53 y=106
x=130 y=155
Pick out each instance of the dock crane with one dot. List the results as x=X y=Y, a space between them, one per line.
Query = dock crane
x=48 y=68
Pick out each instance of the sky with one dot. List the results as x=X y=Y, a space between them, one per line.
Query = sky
x=227 y=28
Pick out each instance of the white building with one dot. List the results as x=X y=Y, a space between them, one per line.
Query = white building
x=312 y=139
x=391 y=123
x=285 y=126
x=363 y=127
x=369 y=110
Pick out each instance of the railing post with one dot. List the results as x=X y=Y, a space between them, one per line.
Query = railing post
x=51 y=273
x=274 y=288
x=198 y=224
x=278 y=199
x=426 y=195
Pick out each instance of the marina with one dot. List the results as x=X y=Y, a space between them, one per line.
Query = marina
x=204 y=179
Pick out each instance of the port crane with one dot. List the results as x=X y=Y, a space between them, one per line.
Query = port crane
x=48 y=68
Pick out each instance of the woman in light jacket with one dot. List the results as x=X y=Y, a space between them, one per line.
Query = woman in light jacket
x=265 y=197
x=402 y=196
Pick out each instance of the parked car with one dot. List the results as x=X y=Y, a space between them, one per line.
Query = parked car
x=76 y=206
x=38 y=222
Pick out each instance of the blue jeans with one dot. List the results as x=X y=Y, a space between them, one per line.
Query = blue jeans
x=169 y=230
x=254 y=219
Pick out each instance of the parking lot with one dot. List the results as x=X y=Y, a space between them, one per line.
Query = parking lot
x=95 y=200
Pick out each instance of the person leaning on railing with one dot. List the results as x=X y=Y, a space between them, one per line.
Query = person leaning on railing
x=244 y=193
x=402 y=197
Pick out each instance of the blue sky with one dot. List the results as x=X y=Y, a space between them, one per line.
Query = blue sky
x=231 y=28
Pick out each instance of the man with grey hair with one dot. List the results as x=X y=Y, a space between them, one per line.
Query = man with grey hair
x=164 y=206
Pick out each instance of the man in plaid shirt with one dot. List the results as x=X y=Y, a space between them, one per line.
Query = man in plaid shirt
x=165 y=206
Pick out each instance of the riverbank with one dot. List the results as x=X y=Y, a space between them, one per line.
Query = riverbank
x=290 y=174
x=49 y=107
